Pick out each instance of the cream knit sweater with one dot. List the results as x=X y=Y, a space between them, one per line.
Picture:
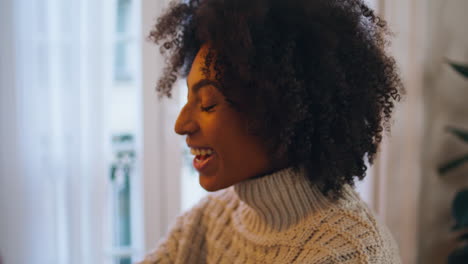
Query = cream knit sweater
x=279 y=218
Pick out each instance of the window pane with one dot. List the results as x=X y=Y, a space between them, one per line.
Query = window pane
x=123 y=15
x=123 y=64
x=124 y=261
x=120 y=176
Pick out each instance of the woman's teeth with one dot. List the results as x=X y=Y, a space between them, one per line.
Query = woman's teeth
x=203 y=158
x=199 y=151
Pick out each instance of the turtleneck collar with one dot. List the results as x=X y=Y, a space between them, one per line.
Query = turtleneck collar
x=276 y=201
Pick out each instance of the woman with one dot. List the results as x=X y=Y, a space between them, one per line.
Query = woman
x=286 y=102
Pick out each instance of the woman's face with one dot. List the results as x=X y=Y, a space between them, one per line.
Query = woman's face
x=215 y=128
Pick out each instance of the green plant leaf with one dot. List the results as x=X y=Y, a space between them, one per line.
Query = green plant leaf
x=459 y=256
x=453 y=164
x=460 y=68
x=460 y=209
x=460 y=133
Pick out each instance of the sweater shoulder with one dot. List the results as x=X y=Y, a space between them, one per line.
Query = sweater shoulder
x=351 y=231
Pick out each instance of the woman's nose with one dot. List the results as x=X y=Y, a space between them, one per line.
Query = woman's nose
x=185 y=123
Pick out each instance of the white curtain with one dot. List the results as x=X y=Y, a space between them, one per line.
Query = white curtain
x=53 y=131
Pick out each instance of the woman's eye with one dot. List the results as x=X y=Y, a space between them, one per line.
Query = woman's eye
x=208 y=108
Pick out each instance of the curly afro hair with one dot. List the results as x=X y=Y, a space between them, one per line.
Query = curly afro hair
x=312 y=76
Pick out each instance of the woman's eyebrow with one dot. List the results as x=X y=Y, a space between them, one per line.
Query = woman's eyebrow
x=201 y=83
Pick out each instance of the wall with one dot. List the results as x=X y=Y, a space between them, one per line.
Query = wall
x=398 y=168
x=445 y=103
x=159 y=190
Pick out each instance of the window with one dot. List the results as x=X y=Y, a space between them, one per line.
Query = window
x=123 y=116
x=124 y=64
x=121 y=172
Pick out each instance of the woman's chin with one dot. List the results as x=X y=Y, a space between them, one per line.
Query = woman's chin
x=211 y=183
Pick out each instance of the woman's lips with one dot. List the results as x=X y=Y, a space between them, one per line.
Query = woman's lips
x=202 y=164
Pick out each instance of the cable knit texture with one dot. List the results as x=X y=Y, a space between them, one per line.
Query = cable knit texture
x=279 y=218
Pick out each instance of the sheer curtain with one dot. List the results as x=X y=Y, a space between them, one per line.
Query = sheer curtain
x=53 y=131
x=58 y=98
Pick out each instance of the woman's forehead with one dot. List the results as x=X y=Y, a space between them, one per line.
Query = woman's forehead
x=197 y=75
